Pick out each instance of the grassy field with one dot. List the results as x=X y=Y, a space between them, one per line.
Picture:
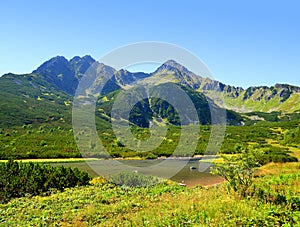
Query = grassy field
x=272 y=200
x=161 y=205
x=165 y=204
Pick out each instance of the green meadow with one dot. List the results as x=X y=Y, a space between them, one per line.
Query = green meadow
x=272 y=198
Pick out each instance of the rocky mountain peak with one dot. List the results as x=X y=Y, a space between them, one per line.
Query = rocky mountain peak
x=66 y=74
x=288 y=87
x=63 y=73
x=172 y=65
x=58 y=61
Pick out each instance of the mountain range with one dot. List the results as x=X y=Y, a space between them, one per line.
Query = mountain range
x=46 y=94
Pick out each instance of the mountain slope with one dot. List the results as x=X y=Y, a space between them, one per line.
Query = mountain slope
x=28 y=98
x=281 y=97
x=48 y=92
x=124 y=77
x=66 y=74
x=147 y=111
x=59 y=72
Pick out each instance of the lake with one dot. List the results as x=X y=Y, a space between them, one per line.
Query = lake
x=188 y=171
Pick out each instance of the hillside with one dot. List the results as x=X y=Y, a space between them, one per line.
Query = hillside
x=28 y=98
x=280 y=97
x=46 y=94
x=36 y=109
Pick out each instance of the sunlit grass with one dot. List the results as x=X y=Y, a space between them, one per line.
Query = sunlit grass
x=280 y=168
x=166 y=204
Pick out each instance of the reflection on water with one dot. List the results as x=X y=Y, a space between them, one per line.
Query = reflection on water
x=193 y=172
x=198 y=176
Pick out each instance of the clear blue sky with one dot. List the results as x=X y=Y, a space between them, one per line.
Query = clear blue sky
x=242 y=42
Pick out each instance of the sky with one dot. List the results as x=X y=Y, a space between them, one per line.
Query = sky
x=243 y=43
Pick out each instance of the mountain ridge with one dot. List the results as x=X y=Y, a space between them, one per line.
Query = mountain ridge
x=65 y=75
x=169 y=65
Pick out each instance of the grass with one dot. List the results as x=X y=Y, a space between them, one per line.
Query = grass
x=165 y=204
x=280 y=168
x=295 y=151
x=292 y=105
x=275 y=201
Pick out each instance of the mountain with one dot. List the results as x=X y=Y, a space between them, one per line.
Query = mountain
x=63 y=73
x=48 y=91
x=66 y=74
x=124 y=77
x=149 y=111
x=281 y=97
x=173 y=71
x=81 y=65
x=36 y=108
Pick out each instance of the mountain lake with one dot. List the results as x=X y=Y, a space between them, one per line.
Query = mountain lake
x=189 y=172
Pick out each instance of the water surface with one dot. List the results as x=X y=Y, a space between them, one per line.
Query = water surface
x=193 y=172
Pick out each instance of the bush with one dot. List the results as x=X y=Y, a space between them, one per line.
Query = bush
x=134 y=179
x=28 y=179
x=278 y=190
x=239 y=170
x=278 y=154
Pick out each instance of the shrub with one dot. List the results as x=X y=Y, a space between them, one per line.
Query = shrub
x=134 y=179
x=238 y=170
x=28 y=179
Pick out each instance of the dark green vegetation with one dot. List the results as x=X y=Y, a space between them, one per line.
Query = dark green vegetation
x=57 y=141
x=134 y=179
x=147 y=109
x=32 y=141
x=29 y=179
x=271 y=117
x=291 y=137
x=28 y=99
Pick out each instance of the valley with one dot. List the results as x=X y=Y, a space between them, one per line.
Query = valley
x=36 y=128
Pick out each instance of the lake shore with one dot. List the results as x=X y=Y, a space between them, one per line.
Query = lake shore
x=63 y=160
x=186 y=181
